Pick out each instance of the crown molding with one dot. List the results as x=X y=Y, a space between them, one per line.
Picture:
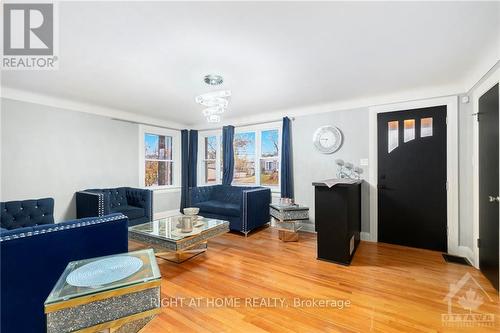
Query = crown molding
x=350 y=104
x=66 y=104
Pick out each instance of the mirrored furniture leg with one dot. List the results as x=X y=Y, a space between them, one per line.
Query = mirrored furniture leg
x=288 y=219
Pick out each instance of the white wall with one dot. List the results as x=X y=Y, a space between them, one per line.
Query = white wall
x=310 y=165
x=49 y=152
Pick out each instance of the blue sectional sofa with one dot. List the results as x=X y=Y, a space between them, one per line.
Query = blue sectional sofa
x=245 y=208
x=33 y=256
x=136 y=204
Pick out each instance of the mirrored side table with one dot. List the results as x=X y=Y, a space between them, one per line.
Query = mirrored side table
x=288 y=218
x=100 y=302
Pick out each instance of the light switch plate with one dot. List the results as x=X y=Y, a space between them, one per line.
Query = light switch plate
x=363 y=162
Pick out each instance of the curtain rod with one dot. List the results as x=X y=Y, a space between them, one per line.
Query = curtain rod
x=204 y=129
x=247 y=124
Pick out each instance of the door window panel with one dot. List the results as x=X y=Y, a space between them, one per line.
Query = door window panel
x=425 y=127
x=409 y=130
x=393 y=135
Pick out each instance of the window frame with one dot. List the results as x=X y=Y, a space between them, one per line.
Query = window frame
x=176 y=156
x=258 y=129
x=201 y=157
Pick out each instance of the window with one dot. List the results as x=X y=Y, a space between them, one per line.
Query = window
x=269 y=159
x=425 y=127
x=210 y=161
x=159 y=152
x=409 y=130
x=158 y=159
x=256 y=156
x=244 y=158
x=393 y=135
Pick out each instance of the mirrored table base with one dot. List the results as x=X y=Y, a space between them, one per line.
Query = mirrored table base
x=182 y=255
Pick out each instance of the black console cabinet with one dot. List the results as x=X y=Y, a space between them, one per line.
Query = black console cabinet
x=338 y=220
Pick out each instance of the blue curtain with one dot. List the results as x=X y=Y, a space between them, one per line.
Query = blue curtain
x=193 y=157
x=184 y=169
x=286 y=160
x=228 y=154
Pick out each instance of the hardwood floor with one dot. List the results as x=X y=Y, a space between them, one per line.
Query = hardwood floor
x=390 y=288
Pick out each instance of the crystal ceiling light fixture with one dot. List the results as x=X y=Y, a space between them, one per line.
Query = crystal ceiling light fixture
x=215 y=101
x=213 y=118
x=213 y=110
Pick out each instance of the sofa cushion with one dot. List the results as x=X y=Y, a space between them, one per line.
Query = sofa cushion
x=26 y=213
x=219 y=208
x=131 y=212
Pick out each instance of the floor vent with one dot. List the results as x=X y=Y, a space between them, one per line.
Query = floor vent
x=456 y=260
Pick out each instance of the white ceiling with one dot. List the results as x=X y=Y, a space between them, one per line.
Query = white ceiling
x=150 y=58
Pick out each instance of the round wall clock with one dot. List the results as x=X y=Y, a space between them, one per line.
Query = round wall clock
x=327 y=139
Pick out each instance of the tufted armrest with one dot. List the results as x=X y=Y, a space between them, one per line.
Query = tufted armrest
x=91 y=204
x=26 y=213
x=255 y=208
x=141 y=198
x=200 y=194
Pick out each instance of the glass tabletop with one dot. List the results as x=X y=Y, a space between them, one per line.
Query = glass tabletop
x=168 y=229
x=149 y=271
x=279 y=206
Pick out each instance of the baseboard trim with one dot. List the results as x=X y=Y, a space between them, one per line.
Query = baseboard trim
x=365 y=236
x=167 y=213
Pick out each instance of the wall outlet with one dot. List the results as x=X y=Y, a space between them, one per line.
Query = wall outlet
x=363 y=162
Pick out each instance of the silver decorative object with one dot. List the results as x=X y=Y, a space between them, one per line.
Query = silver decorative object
x=347 y=170
x=327 y=139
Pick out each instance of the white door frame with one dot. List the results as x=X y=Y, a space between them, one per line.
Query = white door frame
x=483 y=87
x=451 y=103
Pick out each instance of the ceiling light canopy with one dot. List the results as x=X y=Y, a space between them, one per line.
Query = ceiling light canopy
x=213 y=79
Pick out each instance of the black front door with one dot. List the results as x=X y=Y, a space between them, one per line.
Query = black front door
x=488 y=184
x=412 y=178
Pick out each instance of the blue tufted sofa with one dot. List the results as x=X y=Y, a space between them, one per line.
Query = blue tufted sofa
x=32 y=259
x=136 y=204
x=26 y=213
x=245 y=208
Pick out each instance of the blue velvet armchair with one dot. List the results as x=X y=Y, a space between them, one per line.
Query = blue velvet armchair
x=136 y=204
x=34 y=252
x=245 y=208
x=26 y=213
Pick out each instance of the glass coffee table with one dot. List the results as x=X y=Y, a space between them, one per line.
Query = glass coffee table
x=169 y=243
x=106 y=294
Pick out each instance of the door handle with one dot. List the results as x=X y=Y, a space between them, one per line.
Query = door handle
x=381 y=187
x=494 y=199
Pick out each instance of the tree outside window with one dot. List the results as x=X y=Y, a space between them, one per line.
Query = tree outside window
x=244 y=158
x=269 y=160
x=158 y=160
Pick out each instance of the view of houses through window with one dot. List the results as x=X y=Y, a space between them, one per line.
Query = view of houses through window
x=256 y=158
x=158 y=160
